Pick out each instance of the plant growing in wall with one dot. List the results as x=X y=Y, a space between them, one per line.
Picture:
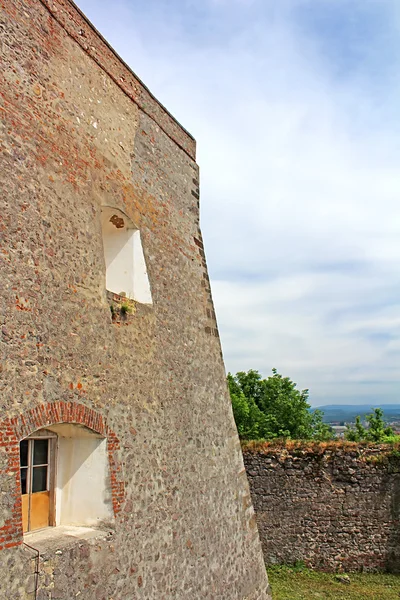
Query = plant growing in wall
x=125 y=309
x=120 y=310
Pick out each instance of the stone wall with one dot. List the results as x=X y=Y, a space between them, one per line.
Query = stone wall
x=80 y=132
x=332 y=506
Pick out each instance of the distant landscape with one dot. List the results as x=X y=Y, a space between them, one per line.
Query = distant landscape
x=334 y=413
x=267 y=408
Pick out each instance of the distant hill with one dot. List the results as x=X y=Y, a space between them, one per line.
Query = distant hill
x=347 y=413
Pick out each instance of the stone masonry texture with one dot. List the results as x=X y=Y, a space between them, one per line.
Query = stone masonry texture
x=80 y=131
x=333 y=507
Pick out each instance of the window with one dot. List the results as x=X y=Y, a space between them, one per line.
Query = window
x=126 y=272
x=36 y=482
x=64 y=478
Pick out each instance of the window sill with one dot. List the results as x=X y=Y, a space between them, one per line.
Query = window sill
x=134 y=309
x=52 y=540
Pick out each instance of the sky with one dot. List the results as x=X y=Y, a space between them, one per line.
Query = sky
x=295 y=106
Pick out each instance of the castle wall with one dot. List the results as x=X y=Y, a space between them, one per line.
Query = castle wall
x=80 y=131
x=334 y=507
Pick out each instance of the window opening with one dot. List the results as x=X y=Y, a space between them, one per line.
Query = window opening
x=65 y=478
x=126 y=272
x=36 y=464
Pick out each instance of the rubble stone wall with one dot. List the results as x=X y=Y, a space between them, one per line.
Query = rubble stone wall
x=334 y=507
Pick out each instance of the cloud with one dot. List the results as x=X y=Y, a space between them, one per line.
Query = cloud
x=295 y=109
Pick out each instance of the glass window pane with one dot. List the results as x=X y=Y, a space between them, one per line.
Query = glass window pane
x=40 y=452
x=24 y=475
x=39 y=479
x=23 y=452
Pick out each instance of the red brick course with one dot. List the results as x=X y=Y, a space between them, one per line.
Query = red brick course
x=12 y=431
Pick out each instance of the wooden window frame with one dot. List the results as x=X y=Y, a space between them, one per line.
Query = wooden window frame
x=51 y=473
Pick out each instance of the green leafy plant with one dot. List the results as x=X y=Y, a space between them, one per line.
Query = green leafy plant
x=377 y=430
x=356 y=433
x=125 y=308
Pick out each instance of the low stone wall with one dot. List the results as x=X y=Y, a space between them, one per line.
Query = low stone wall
x=334 y=507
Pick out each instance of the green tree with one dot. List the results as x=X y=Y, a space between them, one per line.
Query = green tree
x=273 y=407
x=250 y=421
x=377 y=430
x=357 y=433
x=321 y=431
x=248 y=417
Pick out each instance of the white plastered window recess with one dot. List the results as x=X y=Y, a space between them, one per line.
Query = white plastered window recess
x=126 y=272
x=65 y=478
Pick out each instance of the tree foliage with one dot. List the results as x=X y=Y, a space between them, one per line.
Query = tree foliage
x=273 y=408
x=377 y=431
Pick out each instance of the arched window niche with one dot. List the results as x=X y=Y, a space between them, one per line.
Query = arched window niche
x=126 y=272
x=65 y=478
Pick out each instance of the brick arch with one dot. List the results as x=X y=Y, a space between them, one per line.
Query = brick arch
x=12 y=431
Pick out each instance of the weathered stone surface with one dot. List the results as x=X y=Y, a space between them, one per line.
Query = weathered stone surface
x=334 y=507
x=78 y=133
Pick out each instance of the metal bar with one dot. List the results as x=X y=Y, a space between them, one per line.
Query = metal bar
x=37 y=559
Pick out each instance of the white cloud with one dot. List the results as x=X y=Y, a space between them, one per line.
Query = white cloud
x=300 y=183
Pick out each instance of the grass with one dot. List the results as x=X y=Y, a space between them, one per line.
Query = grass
x=299 y=583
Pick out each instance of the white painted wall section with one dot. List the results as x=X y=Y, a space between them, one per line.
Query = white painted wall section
x=118 y=252
x=126 y=272
x=83 y=487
